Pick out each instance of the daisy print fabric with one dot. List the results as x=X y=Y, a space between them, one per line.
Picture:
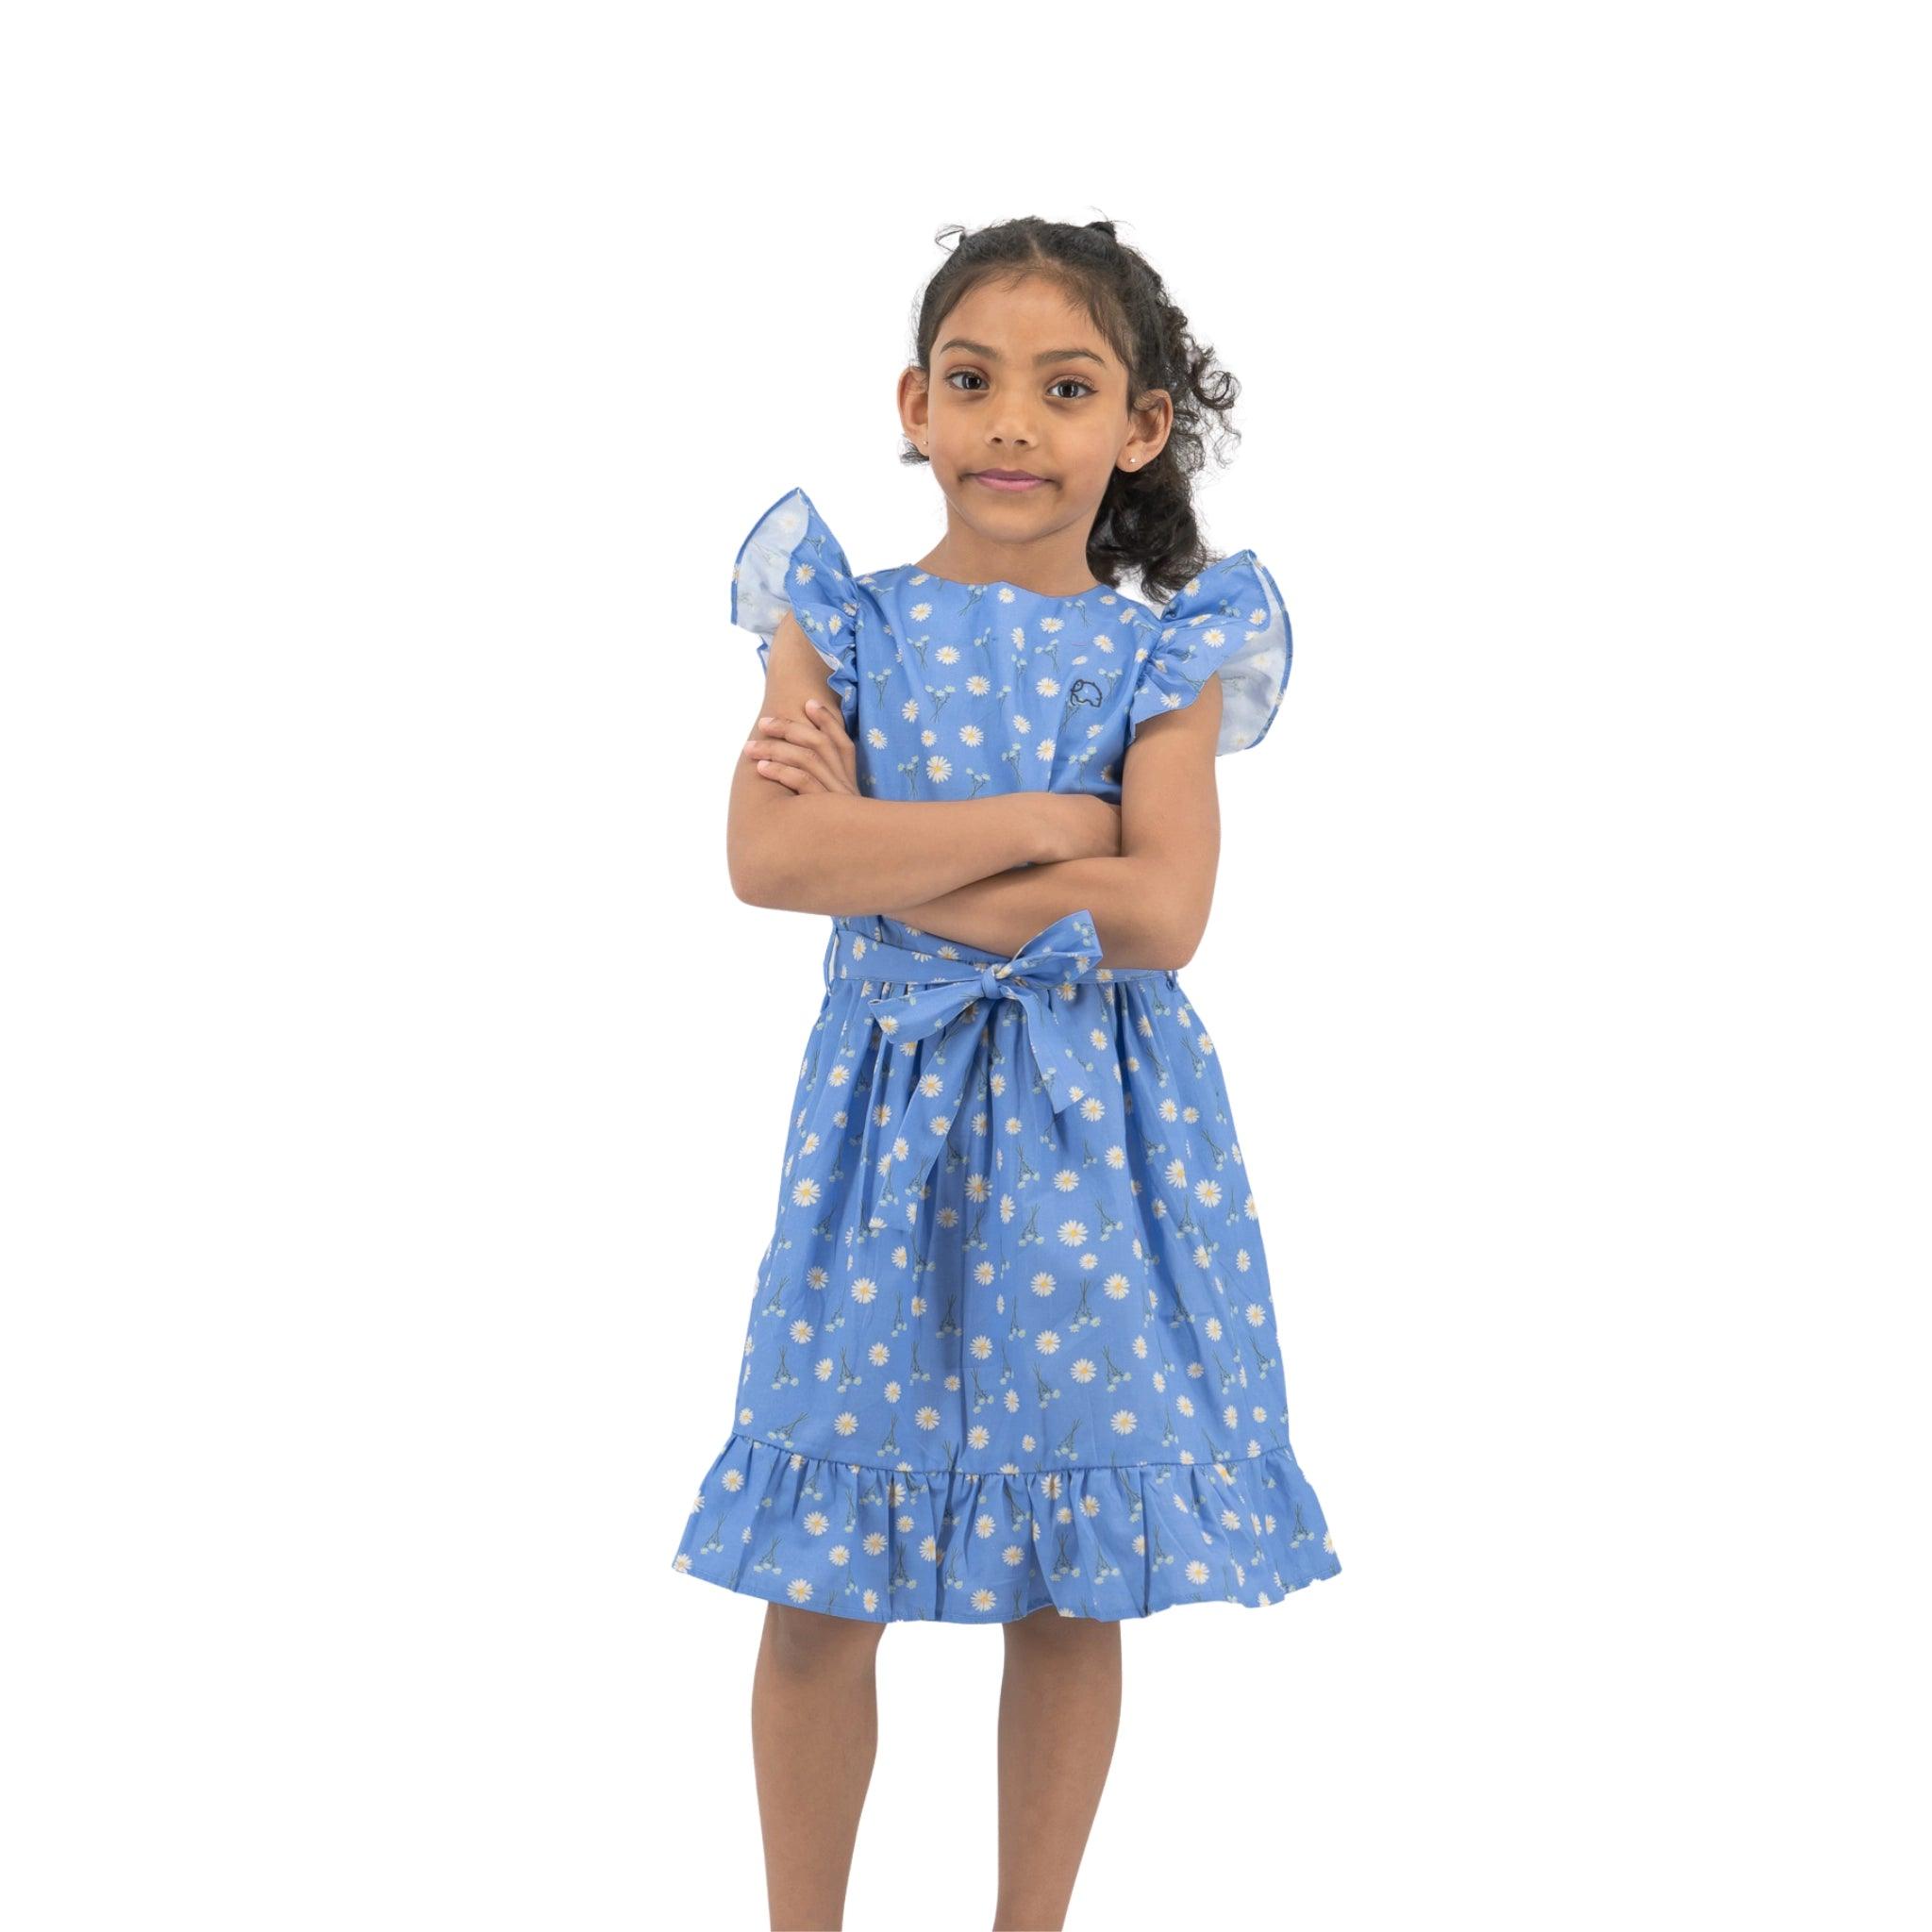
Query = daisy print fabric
x=1011 y=1343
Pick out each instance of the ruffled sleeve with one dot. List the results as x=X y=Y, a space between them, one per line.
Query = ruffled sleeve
x=1227 y=619
x=791 y=562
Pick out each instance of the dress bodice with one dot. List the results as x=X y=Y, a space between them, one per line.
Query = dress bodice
x=954 y=691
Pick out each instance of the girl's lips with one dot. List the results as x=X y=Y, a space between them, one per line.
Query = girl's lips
x=1008 y=482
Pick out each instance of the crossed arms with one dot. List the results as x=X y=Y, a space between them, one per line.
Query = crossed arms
x=987 y=872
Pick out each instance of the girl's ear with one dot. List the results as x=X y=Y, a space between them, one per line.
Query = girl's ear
x=915 y=405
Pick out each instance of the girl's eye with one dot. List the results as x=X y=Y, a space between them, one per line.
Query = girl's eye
x=976 y=376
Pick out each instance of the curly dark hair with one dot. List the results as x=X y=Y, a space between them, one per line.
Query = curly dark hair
x=1146 y=521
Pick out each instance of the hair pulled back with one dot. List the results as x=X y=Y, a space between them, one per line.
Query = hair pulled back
x=1146 y=521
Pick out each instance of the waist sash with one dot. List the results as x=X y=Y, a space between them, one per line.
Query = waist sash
x=1058 y=980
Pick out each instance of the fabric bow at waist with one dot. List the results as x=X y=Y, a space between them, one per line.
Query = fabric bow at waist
x=1057 y=979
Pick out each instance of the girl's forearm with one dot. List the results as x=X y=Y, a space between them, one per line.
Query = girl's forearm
x=1135 y=917
x=836 y=852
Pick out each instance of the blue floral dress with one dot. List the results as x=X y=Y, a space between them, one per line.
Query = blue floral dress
x=1012 y=1342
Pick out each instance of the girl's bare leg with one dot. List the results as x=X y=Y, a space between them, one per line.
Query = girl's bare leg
x=814 y=1733
x=1060 y=1710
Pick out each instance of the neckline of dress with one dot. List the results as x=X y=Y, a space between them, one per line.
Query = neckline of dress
x=1008 y=584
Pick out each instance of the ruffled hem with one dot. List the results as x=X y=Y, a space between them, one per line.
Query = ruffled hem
x=1229 y=619
x=1103 y=1540
x=789 y=561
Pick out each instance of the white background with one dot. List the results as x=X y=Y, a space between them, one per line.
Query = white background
x=387 y=392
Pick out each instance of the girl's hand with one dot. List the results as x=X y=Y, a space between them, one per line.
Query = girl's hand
x=1084 y=825
x=808 y=753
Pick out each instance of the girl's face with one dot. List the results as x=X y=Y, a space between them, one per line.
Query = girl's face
x=1021 y=381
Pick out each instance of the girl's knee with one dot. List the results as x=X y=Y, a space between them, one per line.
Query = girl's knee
x=1046 y=1628
x=814 y=1639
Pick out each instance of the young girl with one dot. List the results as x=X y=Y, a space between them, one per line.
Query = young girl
x=1011 y=1356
